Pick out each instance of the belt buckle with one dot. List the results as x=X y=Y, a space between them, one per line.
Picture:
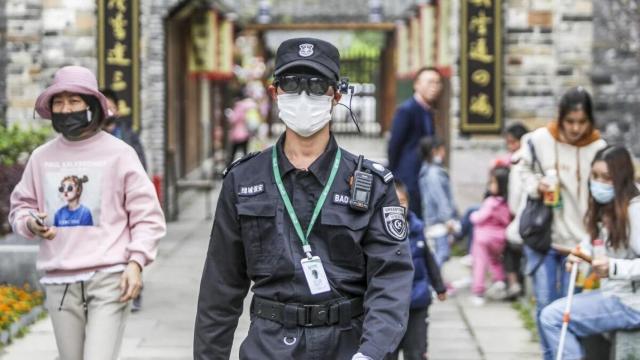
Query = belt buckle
x=315 y=312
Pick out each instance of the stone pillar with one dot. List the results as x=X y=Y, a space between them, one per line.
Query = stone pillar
x=3 y=62
x=152 y=62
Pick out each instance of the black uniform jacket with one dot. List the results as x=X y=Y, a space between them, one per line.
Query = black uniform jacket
x=253 y=239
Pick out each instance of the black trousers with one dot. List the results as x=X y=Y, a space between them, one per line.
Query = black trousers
x=414 y=342
x=512 y=258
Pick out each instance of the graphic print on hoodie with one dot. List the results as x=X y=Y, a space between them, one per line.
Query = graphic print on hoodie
x=73 y=192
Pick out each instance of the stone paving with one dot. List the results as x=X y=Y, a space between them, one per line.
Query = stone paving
x=164 y=328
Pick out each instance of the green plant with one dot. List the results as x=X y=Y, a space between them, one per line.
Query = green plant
x=525 y=311
x=16 y=142
x=458 y=248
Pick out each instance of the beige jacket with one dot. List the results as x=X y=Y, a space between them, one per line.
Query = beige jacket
x=574 y=165
x=517 y=198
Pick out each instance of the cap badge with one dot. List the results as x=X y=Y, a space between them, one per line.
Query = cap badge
x=306 y=50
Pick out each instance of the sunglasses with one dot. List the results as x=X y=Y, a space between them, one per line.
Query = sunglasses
x=294 y=84
x=69 y=188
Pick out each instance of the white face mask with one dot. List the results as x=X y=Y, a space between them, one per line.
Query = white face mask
x=305 y=114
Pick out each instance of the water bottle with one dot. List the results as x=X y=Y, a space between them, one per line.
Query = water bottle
x=552 y=197
x=599 y=250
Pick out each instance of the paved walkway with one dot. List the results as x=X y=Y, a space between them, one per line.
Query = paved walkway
x=460 y=330
x=164 y=328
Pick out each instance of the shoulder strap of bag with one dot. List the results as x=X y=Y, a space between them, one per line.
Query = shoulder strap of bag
x=534 y=158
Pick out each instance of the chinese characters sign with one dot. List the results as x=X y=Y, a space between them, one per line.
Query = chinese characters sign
x=480 y=67
x=204 y=47
x=118 y=55
x=211 y=46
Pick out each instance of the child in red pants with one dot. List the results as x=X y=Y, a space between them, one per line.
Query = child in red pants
x=489 y=240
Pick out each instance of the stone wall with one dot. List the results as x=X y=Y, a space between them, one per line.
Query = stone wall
x=547 y=50
x=42 y=36
x=24 y=49
x=616 y=71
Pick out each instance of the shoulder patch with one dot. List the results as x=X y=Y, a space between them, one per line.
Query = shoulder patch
x=378 y=169
x=394 y=222
x=238 y=162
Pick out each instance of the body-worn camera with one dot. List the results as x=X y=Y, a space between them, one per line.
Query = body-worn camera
x=343 y=86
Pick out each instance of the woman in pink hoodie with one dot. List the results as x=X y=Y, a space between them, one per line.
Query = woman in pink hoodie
x=489 y=237
x=244 y=114
x=92 y=254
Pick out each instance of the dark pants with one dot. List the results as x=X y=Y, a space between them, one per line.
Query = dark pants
x=414 y=342
x=513 y=259
x=466 y=227
x=242 y=146
x=415 y=202
x=271 y=340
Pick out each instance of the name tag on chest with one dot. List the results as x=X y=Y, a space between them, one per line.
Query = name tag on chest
x=315 y=275
x=251 y=190
x=340 y=199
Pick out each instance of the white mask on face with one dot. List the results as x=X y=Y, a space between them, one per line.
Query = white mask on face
x=305 y=114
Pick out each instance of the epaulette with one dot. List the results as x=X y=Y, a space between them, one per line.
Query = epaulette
x=238 y=162
x=379 y=170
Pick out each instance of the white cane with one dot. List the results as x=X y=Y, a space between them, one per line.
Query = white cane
x=567 y=310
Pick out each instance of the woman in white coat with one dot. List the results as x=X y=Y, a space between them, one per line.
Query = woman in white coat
x=565 y=147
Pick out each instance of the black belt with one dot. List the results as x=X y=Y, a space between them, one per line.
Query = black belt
x=340 y=312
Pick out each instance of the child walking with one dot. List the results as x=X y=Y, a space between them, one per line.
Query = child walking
x=438 y=206
x=489 y=238
x=426 y=276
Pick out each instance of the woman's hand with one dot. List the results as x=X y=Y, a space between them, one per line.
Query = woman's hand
x=601 y=266
x=43 y=231
x=572 y=260
x=543 y=187
x=130 y=282
x=442 y=296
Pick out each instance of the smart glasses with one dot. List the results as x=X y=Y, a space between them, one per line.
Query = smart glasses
x=294 y=84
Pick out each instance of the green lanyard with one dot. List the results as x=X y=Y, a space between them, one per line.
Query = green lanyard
x=287 y=202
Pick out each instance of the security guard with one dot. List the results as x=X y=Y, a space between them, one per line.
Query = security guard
x=332 y=271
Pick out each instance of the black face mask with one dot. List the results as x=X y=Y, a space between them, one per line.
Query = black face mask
x=71 y=124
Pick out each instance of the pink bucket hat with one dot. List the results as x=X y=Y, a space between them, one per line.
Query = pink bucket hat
x=73 y=79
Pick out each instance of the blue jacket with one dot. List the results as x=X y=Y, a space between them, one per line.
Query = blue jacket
x=125 y=133
x=411 y=123
x=426 y=273
x=438 y=205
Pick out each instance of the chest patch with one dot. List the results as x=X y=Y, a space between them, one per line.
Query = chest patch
x=394 y=222
x=251 y=190
x=340 y=199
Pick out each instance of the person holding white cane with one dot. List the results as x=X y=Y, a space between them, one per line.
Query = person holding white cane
x=613 y=222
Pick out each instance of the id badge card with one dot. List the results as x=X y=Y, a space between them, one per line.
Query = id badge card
x=316 y=277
